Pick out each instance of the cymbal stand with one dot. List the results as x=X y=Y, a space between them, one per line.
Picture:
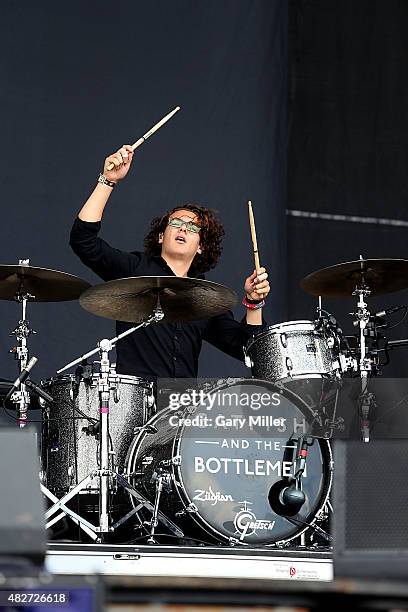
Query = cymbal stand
x=22 y=397
x=366 y=399
x=104 y=473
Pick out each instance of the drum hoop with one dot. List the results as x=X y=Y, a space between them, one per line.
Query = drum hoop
x=285 y=327
x=137 y=381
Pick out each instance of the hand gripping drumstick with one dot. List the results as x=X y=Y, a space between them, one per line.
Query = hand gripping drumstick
x=149 y=133
x=253 y=236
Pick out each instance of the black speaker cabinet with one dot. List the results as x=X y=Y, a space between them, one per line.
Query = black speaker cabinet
x=371 y=509
x=22 y=528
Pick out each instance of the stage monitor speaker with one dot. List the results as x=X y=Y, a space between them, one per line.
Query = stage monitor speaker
x=22 y=523
x=370 y=500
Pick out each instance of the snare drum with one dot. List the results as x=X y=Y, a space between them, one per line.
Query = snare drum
x=220 y=462
x=70 y=436
x=292 y=350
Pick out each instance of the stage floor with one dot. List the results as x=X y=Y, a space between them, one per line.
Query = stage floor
x=201 y=562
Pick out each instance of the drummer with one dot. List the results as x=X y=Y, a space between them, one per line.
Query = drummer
x=185 y=241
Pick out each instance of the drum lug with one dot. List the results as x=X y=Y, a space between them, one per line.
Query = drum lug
x=150 y=400
x=247 y=359
x=289 y=366
x=191 y=509
x=147 y=460
x=284 y=340
x=116 y=392
x=330 y=342
x=233 y=541
x=174 y=461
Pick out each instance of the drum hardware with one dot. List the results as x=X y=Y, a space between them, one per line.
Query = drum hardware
x=21 y=398
x=134 y=299
x=190 y=509
x=162 y=479
x=362 y=278
x=104 y=473
x=391 y=344
x=23 y=283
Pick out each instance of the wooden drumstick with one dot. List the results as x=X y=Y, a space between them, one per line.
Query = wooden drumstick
x=253 y=236
x=152 y=130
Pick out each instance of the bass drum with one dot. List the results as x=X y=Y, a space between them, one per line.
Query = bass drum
x=220 y=459
x=70 y=436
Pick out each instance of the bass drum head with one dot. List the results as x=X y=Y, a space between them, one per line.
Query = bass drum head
x=228 y=454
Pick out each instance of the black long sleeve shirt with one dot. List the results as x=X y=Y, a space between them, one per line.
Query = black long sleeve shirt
x=156 y=351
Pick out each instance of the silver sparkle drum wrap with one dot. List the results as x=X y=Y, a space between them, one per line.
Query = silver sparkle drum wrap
x=69 y=451
x=291 y=350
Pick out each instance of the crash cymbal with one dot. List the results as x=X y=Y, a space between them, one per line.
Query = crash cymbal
x=379 y=275
x=182 y=299
x=42 y=284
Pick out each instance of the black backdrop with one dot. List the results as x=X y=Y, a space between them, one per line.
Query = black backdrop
x=81 y=78
x=348 y=144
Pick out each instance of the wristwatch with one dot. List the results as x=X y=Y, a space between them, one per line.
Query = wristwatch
x=104 y=181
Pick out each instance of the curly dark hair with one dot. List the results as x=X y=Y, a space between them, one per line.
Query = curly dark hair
x=211 y=235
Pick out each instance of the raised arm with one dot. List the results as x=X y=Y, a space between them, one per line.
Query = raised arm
x=93 y=208
x=104 y=260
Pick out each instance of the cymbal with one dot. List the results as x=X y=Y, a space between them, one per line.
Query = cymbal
x=42 y=284
x=379 y=275
x=182 y=299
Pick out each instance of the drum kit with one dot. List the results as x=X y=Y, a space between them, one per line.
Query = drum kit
x=218 y=472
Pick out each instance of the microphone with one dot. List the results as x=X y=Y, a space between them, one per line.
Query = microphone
x=387 y=311
x=40 y=392
x=292 y=498
x=22 y=377
x=286 y=497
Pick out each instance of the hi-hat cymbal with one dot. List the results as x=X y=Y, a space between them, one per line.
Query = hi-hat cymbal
x=379 y=275
x=134 y=299
x=42 y=284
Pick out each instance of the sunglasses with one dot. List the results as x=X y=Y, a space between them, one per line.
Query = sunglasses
x=190 y=225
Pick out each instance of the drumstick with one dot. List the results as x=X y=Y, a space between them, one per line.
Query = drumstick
x=253 y=236
x=152 y=130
